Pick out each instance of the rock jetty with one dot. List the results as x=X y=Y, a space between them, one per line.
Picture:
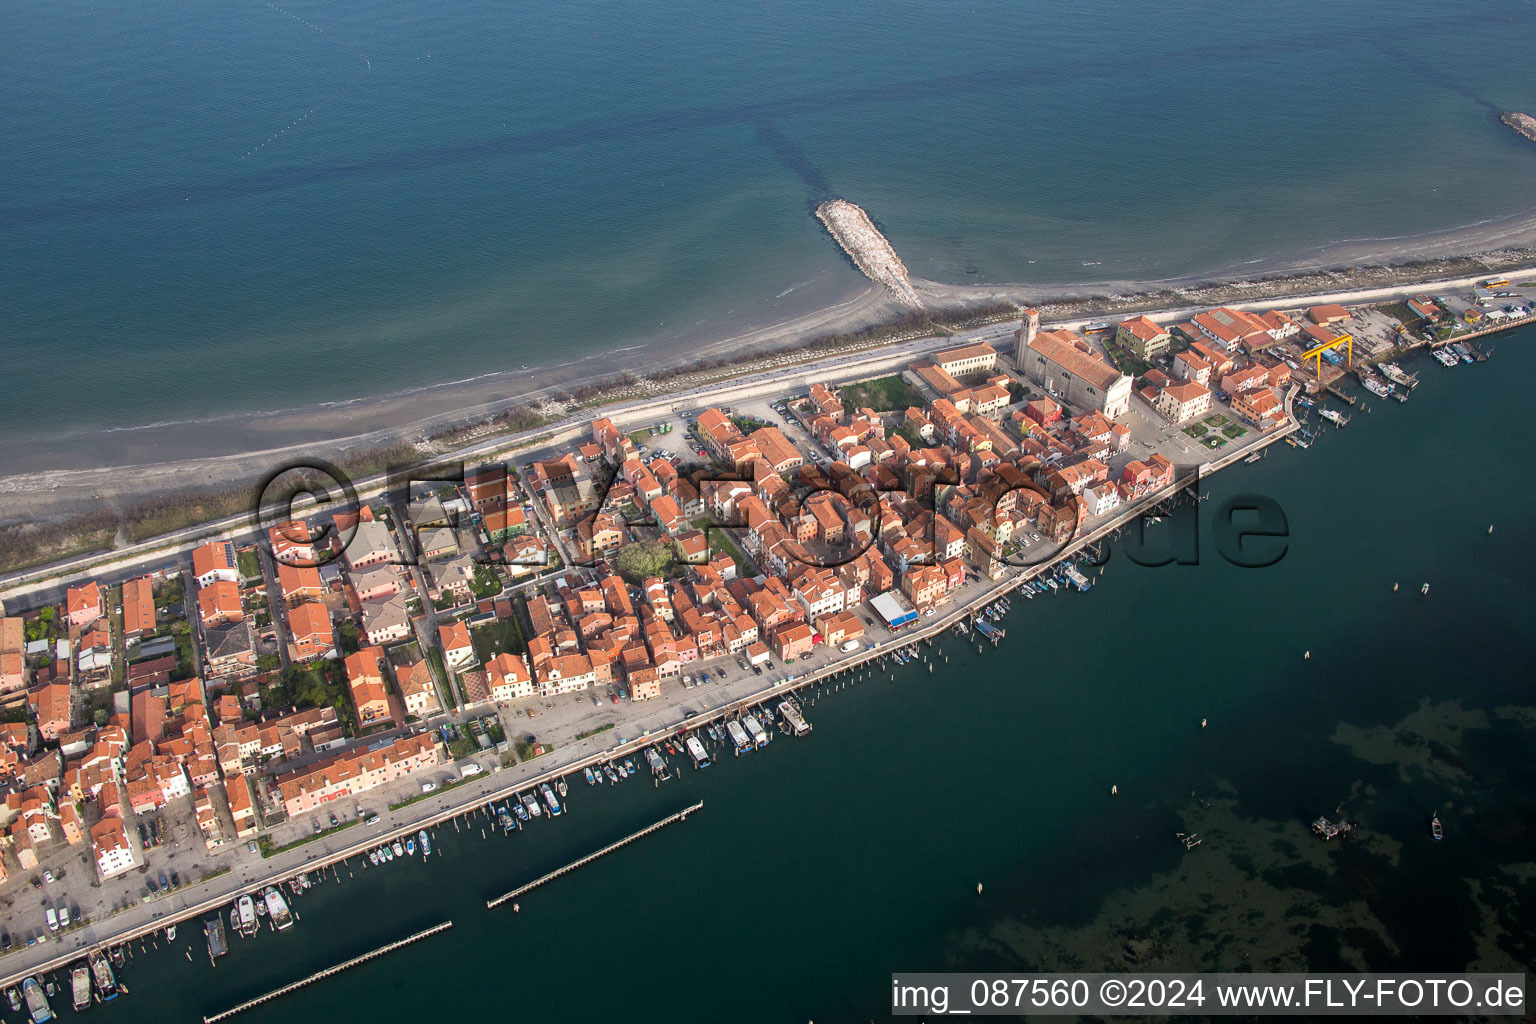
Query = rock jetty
x=1525 y=124
x=868 y=248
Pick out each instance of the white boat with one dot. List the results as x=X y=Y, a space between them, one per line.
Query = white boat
x=425 y=842
x=530 y=805
x=549 y=799
x=738 y=735
x=755 y=730
x=1333 y=416
x=80 y=987
x=397 y=848
x=245 y=919
x=277 y=909
x=697 y=752
x=373 y=856
x=792 y=718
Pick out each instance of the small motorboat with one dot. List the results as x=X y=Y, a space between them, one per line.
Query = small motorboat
x=1435 y=829
x=399 y=850
x=425 y=841
x=613 y=776
x=629 y=767
x=373 y=856
x=590 y=780
x=410 y=847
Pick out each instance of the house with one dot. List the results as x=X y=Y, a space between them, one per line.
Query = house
x=52 y=707
x=313 y=638
x=417 y=690
x=242 y=805
x=365 y=678
x=1144 y=337
x=1330 y=313
x=229 y=647
x=386 y=620
x=111 y=847
x=213 y=561
x=458 y=651
x=219 y=603
x=138 y=607
x=293 y=543
x=1180 y=402
x=356 y=771
x=509 y=677
x=83 y=605
x=966 y=360
x=1260 y=407
x=371 y=545
x=792 y=640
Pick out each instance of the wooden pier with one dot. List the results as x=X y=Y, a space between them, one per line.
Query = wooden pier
x=681 y=815
x=328 y=972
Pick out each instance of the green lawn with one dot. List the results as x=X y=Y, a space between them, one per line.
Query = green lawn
x=249 y=567
x=1234 y=431
x=1218 y=420
x=883 y=394
x=500 y=637
x=720 y=540
x=1196 y=430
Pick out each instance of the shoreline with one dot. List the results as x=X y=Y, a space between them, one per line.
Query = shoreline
x=198 y=444
x=854 y=359
x=772 y=691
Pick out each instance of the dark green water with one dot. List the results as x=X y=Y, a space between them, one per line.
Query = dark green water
x=819 y=867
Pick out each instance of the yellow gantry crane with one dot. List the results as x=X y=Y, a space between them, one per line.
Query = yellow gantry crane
x=1315 y=353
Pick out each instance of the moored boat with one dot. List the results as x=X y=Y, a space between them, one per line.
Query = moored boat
x=80 y=987
x=549 y=799
x=37 y=1003
x=530 y=805
x=410 y=847
x=697 y=752
x=213 y=931
x=106 y=982
x=277 y=909
x=519 y=808
x=426 y=843
x=245 y=909
x=588 y=772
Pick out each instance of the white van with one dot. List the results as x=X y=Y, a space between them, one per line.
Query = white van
x=473 y=768
x=53 y=920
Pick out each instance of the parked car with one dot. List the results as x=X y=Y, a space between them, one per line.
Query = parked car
x=429 y=787
x=53 y=920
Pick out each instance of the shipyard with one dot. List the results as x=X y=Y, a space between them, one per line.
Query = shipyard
x=588 y=610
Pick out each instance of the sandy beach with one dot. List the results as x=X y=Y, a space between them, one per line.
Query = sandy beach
x=117 y=467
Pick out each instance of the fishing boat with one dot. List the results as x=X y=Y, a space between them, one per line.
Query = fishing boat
x=107 y=986
x=629 y=768
x=37 y=1003
x=1435 y=829
x=1465 y=352
x=245 y=911
x=520 y=808
x=658 y=765
x=755 y=730
x=410 y=847
x=549 y=799
x=505 y=820
x=696 y=751
x=1397 y=375
x=1333 y=416
x=1375 y=385
x=426 y=841
x=213 y=931
x=560 y=787
x=80 y=987
x=588 y=772
x=738 y=735
x=277 y=909
x=792 y=718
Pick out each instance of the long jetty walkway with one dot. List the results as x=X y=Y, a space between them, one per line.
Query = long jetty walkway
x=681 y=815
x=328 y=972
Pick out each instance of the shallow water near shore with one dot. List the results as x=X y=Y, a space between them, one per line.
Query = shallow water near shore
x=237 y=209
x=818 y=867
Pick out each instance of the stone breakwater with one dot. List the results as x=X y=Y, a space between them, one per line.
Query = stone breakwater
x=868 y=248
x=1525 y=124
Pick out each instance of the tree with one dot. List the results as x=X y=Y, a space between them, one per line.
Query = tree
x=648 y=558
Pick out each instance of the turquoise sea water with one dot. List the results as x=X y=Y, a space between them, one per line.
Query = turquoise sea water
x=819 y=867
x=246 y=206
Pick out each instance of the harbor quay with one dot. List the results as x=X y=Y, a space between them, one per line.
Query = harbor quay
x=645 y=588
x=461 y=802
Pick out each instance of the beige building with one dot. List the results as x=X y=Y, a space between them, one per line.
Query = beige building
x=1180 y=402
x=1064 y=365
